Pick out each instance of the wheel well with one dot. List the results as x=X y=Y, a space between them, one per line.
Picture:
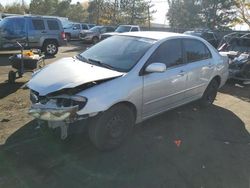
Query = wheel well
x=217 y=78
x=54 y=40
x=68 y=34
x=130 y=105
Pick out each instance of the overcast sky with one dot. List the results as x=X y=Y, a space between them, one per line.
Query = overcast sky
x=159 y=16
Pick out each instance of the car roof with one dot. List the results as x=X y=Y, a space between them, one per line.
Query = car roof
x=130 y=25
x=155 y=35
x=33 y=16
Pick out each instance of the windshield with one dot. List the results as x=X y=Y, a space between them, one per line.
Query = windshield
x=119 y=52
x=95 y=29
x=122 y=29
x=66 y=24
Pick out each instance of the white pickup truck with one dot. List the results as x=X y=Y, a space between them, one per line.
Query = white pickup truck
x=121 y=29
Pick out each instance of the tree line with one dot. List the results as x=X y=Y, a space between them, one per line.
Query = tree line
x=211 y=14
x=110 y=12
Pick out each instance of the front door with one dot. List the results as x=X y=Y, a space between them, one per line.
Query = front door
x=165 y=90
x=13 y=30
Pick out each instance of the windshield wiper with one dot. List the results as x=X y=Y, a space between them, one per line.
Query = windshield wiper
x=101 y=64
x=82 y=58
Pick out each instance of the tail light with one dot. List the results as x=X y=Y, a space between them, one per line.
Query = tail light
x=63 y=35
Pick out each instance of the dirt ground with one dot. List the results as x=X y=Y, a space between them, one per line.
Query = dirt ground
x=214 y=148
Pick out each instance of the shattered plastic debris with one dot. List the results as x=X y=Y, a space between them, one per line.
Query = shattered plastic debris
x=177 y=143
x=203 y=166
x=226 y=142
x=195 y=109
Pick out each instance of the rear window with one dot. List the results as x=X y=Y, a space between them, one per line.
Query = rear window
x=53 y=25
x=38 y=24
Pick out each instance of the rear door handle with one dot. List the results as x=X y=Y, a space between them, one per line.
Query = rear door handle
x=43 y=32
x=181 y=73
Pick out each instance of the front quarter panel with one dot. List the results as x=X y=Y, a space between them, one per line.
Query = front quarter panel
x=127 y=88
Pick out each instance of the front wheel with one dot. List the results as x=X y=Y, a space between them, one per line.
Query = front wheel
x=108 y=130
x=210 y=93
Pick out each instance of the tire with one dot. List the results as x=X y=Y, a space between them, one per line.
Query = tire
x=108 y=130
x=95 y=40
x=50 y=48
x=11 y=77
x=210 y=93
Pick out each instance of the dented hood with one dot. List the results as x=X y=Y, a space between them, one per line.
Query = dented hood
x=68 y=73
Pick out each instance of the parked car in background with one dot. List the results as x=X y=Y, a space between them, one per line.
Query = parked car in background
x=72 y=30
x=45 y=33
x=124 y=80
x=93 y=35
x=205 y=34
x=91 y=25
x=121 y=29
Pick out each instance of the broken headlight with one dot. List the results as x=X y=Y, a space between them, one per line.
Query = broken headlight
x=68 y=101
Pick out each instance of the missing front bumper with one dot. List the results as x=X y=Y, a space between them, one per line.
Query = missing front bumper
x=43 y=112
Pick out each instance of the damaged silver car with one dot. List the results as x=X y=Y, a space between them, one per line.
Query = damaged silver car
x=125 y=80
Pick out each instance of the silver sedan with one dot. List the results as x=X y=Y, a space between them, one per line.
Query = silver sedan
x=125 y=80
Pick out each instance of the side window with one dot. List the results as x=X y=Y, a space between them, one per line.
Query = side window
x=53 y=25
x=110 y=29
x=77 y=26
x=208 y=36
x=103 y=30
x=134 y=29
x=169 y=53
x=85 y=27
x=15 y=26
x=38 y=24
x=195 y=50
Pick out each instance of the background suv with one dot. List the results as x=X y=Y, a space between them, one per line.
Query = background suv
x=205 y=34
x=45 y=33
x=72 y=30
x=93 y=35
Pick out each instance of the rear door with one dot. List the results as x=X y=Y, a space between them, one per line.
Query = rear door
x=199 y=66
x=36 y=32
x=53 y=29
x=165 y=90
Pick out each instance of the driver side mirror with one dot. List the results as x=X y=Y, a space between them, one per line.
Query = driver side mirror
x=156 y=67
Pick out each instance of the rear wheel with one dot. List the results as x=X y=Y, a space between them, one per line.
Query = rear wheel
x=11 y=77
x=50 y=48
x=109 y=129
x=210 y=93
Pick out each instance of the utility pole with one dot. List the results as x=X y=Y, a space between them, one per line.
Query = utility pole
x=149 y=18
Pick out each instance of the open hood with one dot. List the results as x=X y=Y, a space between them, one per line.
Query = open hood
x=68 y=73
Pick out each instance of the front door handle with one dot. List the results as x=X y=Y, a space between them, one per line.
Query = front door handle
x=181 y=73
